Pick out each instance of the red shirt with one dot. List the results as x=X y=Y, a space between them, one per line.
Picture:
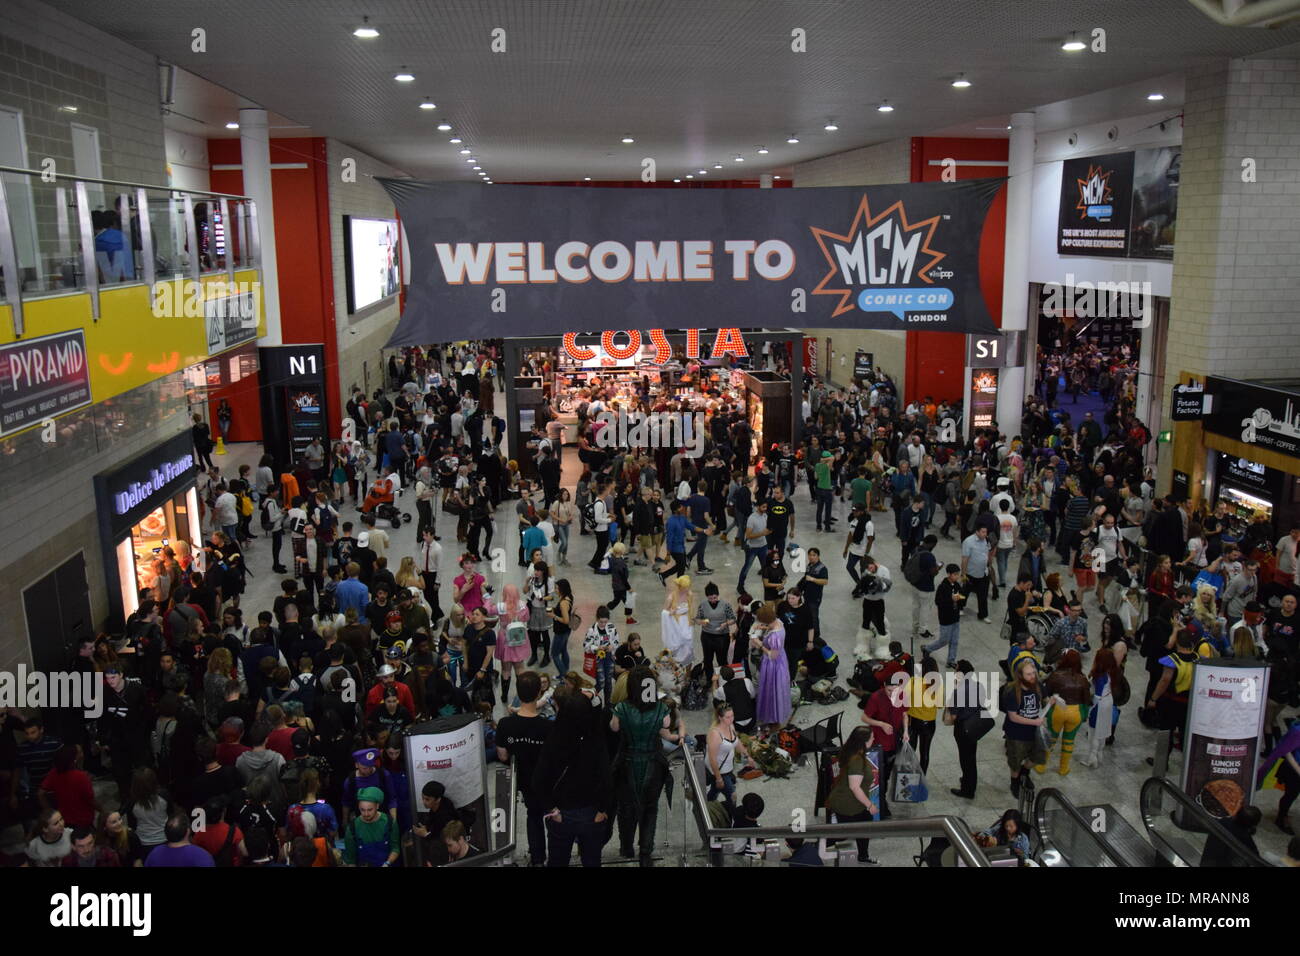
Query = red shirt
x=281 y=741
x=74 y=795
x=227 y=754
x=376 y=697
x=213 y=838
x=881 y=706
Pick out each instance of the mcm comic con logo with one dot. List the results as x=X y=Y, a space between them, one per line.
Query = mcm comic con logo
x=1095 y=194
x=875 y=265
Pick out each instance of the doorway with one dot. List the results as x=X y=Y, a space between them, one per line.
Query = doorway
x=57 y=608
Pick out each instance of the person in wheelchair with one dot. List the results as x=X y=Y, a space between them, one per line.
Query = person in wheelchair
x=380 y=493
x=1069 y=633
x=1027 y=646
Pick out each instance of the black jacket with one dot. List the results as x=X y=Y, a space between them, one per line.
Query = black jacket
x=573 y=769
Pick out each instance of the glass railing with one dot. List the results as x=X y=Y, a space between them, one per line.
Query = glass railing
x=61 y=234
x=1064 y=831
x=1181 y=830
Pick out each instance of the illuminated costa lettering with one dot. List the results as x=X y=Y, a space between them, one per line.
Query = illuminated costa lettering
x=663 y=351
x=692 y=343
x=625 y=352
x=579 y=353
x=729 y=341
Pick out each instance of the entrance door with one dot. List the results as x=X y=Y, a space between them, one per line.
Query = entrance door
x=58 y=614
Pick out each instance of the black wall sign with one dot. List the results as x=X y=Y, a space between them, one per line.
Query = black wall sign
x=1187 y=403
x=1182 y=485
x=293 y=400
x=863 y=364
x=126 y=495
x=1096 y=202
x=536 y=260
x=1249 y=476
x=1255 y=414
x=293 y=364
x=42 y=378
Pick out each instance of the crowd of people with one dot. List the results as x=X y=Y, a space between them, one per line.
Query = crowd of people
x=284 y=724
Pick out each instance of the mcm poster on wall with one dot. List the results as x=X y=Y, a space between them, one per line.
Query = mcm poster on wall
x=1120 y=205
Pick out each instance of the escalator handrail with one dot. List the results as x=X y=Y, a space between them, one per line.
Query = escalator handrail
x=952 y=828
x=1211 y=824
x=1052 y=794
x=501 y=853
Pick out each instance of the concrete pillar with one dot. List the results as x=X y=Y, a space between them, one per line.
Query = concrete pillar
x=255 y=157
x=1015 y=268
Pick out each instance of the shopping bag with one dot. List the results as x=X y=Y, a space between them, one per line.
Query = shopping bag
x=589 y=664
x=908 y=783
x=1213 y=580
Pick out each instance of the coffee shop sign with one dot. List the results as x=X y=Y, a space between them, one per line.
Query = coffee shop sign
x=725 y=342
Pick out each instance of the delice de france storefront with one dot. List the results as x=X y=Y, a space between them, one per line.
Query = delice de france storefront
x=144 y=506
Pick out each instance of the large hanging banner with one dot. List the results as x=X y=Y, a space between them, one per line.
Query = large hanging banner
x=1120 y=205
x=491 y=261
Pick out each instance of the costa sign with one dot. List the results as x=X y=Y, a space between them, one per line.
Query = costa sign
x=537 y=260
x=725 y=342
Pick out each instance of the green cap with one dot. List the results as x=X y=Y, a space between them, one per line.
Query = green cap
x=370 y=795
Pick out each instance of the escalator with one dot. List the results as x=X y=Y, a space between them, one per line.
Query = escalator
x=1176 y=832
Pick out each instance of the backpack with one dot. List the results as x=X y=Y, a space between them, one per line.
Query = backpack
x=1121 y=692
x=695 y=695
x=789 y=739
x=1182 y=674
x=912 y=570
x=291 y=780
x=589 y=512
x=293 y=820
x=162 y=745
x=267 y=524
x=516 y=634
x=245 y=505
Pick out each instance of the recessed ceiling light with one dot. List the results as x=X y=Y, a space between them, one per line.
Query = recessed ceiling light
x=455 y=139
x=1074 y=44
x=1155 y=97
x=1008 y=126
x=704 y=172
x=717 y=165
x=68 y=109
x=776 y=177
x=228 y=125
x=884 y=107
x=738 y=159
x=762 y=150
x=365 y=31
x=476 y=168
x=401 y=76
x=628 y=139
x=470 y=159
x=792 y=139
x=961 y=82
x=428 y=105
x=830 y=127
x=445 y=127
x=586 y=179
x=690 y=175
x=677 y=180
x=466 y=151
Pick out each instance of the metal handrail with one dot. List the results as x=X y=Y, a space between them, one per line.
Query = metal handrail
x=952 y=828
x=72 y=177
x=502 y=852
x=1187 y=805
x=1051 y=794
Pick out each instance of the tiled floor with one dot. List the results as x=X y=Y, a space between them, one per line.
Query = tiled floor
x=1116 y=781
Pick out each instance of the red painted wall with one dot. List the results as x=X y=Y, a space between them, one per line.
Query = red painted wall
x=304 y=266
x=936 y=360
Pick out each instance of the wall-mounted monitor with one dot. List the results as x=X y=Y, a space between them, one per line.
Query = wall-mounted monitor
x=372 y=260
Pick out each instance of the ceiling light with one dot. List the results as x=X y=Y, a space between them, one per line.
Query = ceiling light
x=677 y=180
x=961 y=83
x=1155 y=97
x=738 y=159
x=1074 y=44
x=445 y=127
x=776 y=177
x=470 y=159
x=690 y=175
x=704 y=172
x=68 y=109
x=455 y=139
x=586 y=179
x=1008 y=126
x=476 y=168
x=762 y=150
x=466 y=151
x=228 y=125
x=365 y=31
x=830 y=127
x=884 y=107
x=792 y=139
x=428 y=105
x=401 y=76
x=628 y=139
x=717 y=165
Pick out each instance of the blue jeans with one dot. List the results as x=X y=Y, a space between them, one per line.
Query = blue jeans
x=605 y=677
x=738 y=522
x=575 y=826
x=751 y=555
x=825 y=497
x=697 y=552
x=1004 y=555
x=929 y=507
x=230 y=531
x=948 y=635
x=561 y=542
x=560 y=649
x=728 y=790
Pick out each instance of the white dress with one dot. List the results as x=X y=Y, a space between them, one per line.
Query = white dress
x=678 y=633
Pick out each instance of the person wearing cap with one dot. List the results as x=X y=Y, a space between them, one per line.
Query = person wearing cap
x=368 y=774
x=364 y=555
x=825 y=492
x=1246 y=638
x=388 y=679
x=1003 y=494
x=371 y=837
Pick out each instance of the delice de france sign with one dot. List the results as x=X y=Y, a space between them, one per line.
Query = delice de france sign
x=529 y=260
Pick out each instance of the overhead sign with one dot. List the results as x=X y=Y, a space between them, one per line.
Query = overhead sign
x=1255 y=415
x=1247 y=475
x=1225 y=719
x=528 y=260
x=128 y=493
x=1001 y=350
x=1188 y=402
x=41 y=378
x=230 y=320
x=864 y=363
x=1120 y=204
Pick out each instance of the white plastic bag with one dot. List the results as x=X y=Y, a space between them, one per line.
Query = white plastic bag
x=908 y=782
